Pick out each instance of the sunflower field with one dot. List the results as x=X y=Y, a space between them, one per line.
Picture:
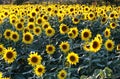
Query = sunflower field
x=59 y=41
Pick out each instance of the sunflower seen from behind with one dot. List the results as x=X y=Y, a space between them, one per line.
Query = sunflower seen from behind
x=27 y=38
x=9 y=55
x=39 y=70
x=34 y=59
x=86 y=34
x=50 y=49
x=72 y=58
x=62 y=74
x=109 y=45
x=64 y=46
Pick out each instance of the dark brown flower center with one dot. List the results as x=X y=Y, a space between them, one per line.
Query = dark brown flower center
x=34 y=59
x=109 y=45
x=62 y=75
x=49 y=31
x=31 y=20
x=64 y=28
x=72 y=58
x=19 y=25
x=27 y=37
x=50 y=48
x=95 y=44
x=39 y=21
x=8 y=33
x=33 y=14
x=39 y=69
x=64 y=46
x=14 y=36
x=31 y=26
x=37 y=30
x=1 y=49
x=9 y=55
x=86 y=34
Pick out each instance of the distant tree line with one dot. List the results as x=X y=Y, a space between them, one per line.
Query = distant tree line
x=19 y=2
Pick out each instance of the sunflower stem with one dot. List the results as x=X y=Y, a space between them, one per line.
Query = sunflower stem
x=90 y=56
x=69 y=72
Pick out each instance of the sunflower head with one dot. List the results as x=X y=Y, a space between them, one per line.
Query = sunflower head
x=37 y=31
x=27 y=38
x=109 y=45
x=63 y=29
x=95 y=45
x=39 y=70
x=34 y=59
x=14 y=36
x=86 y=34
x=50 y=31
x=113 y=25
x=7 y=33
x=2 y=49
x=62 y=74
x=50 y=49
x=73 y=58
x=9 y=55
x=64 y=46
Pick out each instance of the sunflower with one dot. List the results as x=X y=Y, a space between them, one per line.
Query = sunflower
x=86 y=34
x=64 y=46
x=27 y=38
x=104 y=20
x=74 y=30
x=39 y=70
x=63 y=29
x=39 y=21
x=19 y=26
x=50 y=49
x=91 y=16
x=34 y=59
x=45 y=25
x=73 y=58
x=118 y=47
x=95 y=45
x=31 y=26
x=75 y=20
x=2 y=48
x=109 y=45
x=50 y=31
x=107 y=33
x=113 y=25
x=60 y=18
x=33 y=14
x=31 y=19
x=37 y=31
x=9 y=55
x=26 y=29
x=7 y=33
x=14 y=36
x=62 y=74
x=71 y=35
x=86 y=46
x=45 y=17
